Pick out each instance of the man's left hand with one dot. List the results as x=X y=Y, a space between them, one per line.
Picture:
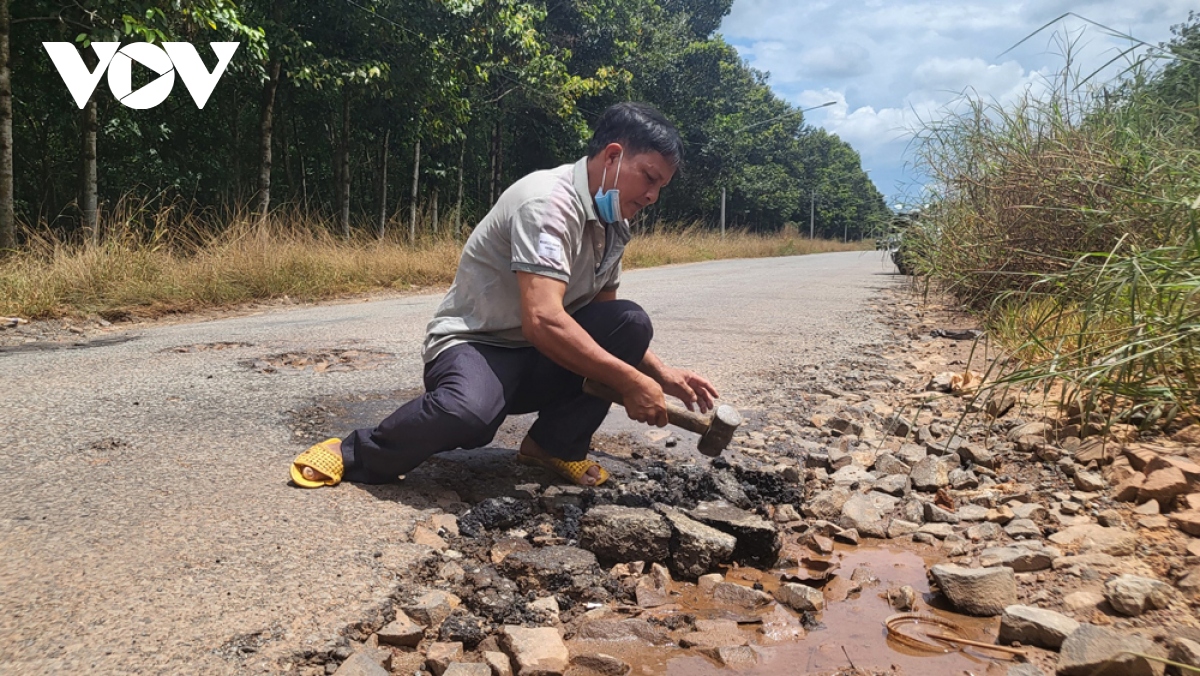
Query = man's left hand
x=691 y=388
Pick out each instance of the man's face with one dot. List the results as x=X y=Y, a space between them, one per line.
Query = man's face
x=642 y=177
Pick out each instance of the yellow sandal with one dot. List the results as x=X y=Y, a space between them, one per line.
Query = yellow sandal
x=572 y=471
x=320 y=458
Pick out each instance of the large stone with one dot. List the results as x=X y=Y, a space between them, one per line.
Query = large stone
x=550 y=561
x=893 y=484
x=1132 y=595
x=977 y=455
x=1187 y=521
x=653 y=589
x=498 y=662
x=1089 y=481
x=899 y=528
x=861 y=514
x=740 y=596
x=402 y=632
x=826 y=504
x=977 y=591
x=841 y=426
x=1035 y=626
x=1163 y=485
x=624 y=630
x=1021 y=559
x=888 y=464
x=1186 y=651
x=601 y=664
x=1023 y=529
x=468 y=669
x=432 y=608
x=1033 y=429
x=360 y=664
x=758 y=541
x=696 y=548
x=935 y=514
x=1090 y=650
x=940 y=531
x=911 y=454
x=933 y=472
x=618 y=534
x=800 y=597
x=853 y=474
x=440 y=656
x=535 y=652
x=1127 y=490
x=1093 y=537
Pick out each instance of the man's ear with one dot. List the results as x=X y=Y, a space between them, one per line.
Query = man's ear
x=612 y=152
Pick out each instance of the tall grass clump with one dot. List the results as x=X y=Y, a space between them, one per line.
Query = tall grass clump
x=1068 y=219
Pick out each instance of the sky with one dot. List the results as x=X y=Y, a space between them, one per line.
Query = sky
x=894 y=65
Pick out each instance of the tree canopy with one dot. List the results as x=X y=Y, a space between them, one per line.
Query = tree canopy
x=462 y=96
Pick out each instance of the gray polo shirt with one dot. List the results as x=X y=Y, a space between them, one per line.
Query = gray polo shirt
x=546 y=224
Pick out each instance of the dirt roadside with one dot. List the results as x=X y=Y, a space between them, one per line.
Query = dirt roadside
x=855 y=491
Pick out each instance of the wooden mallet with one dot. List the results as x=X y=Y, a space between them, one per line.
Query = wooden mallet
x=716 y=430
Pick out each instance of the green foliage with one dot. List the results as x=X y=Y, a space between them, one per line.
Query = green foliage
x=1071 y=220
x=508 y=86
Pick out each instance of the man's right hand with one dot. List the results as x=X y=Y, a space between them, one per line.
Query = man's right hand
x=644 y=401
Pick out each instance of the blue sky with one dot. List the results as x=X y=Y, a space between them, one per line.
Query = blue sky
x=891 y=64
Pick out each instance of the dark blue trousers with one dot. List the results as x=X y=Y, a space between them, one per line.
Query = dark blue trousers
x=471 y=388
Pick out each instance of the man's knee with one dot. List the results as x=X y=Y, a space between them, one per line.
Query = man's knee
x=634 y=324
x=466 y=421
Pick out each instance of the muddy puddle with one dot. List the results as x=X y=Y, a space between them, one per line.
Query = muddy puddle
x=851 y=630
x=849 y=634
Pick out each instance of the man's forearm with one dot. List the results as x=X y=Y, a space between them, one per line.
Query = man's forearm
x=652 y=366
x=567 y=344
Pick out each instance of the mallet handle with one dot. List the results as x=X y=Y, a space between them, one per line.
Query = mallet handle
x=680 y=417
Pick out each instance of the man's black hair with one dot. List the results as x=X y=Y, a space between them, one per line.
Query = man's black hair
x=640 y=128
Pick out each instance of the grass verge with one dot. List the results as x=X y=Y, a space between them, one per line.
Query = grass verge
x=152 y=274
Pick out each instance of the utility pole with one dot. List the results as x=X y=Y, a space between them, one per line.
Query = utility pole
x=812 y=211
x=722 y=213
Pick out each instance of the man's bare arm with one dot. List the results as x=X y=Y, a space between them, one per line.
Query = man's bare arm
x=688 y=387
x=546 y=324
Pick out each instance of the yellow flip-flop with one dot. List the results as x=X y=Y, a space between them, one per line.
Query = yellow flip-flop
x=320 y=458
x=572 y=471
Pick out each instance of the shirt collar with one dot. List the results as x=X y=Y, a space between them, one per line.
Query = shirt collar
x=581 y=187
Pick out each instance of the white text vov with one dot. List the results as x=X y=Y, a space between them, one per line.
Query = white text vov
x=170 y=58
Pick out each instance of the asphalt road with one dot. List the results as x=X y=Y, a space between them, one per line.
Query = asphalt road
x=146 y=525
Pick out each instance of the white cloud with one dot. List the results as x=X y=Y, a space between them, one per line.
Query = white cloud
x=892 y=63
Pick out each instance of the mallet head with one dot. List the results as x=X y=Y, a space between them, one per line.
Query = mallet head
x=725 y=421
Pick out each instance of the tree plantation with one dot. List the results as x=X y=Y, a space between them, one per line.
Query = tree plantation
x=397 y=117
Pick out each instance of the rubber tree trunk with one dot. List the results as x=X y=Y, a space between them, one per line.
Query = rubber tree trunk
x=462 y=154
x=8 y=229
x=494 y=155
x=435 y=211
x=88 y=193
x=344 y=188
x=383 y=183
x=412 y=208
x=266 y=119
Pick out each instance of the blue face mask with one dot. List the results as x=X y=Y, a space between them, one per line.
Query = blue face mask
x=608 y=204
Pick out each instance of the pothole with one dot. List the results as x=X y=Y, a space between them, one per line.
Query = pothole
x=207 y=347
x=330 y=361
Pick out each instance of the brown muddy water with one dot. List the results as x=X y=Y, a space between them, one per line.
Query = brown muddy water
x=851 y=629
